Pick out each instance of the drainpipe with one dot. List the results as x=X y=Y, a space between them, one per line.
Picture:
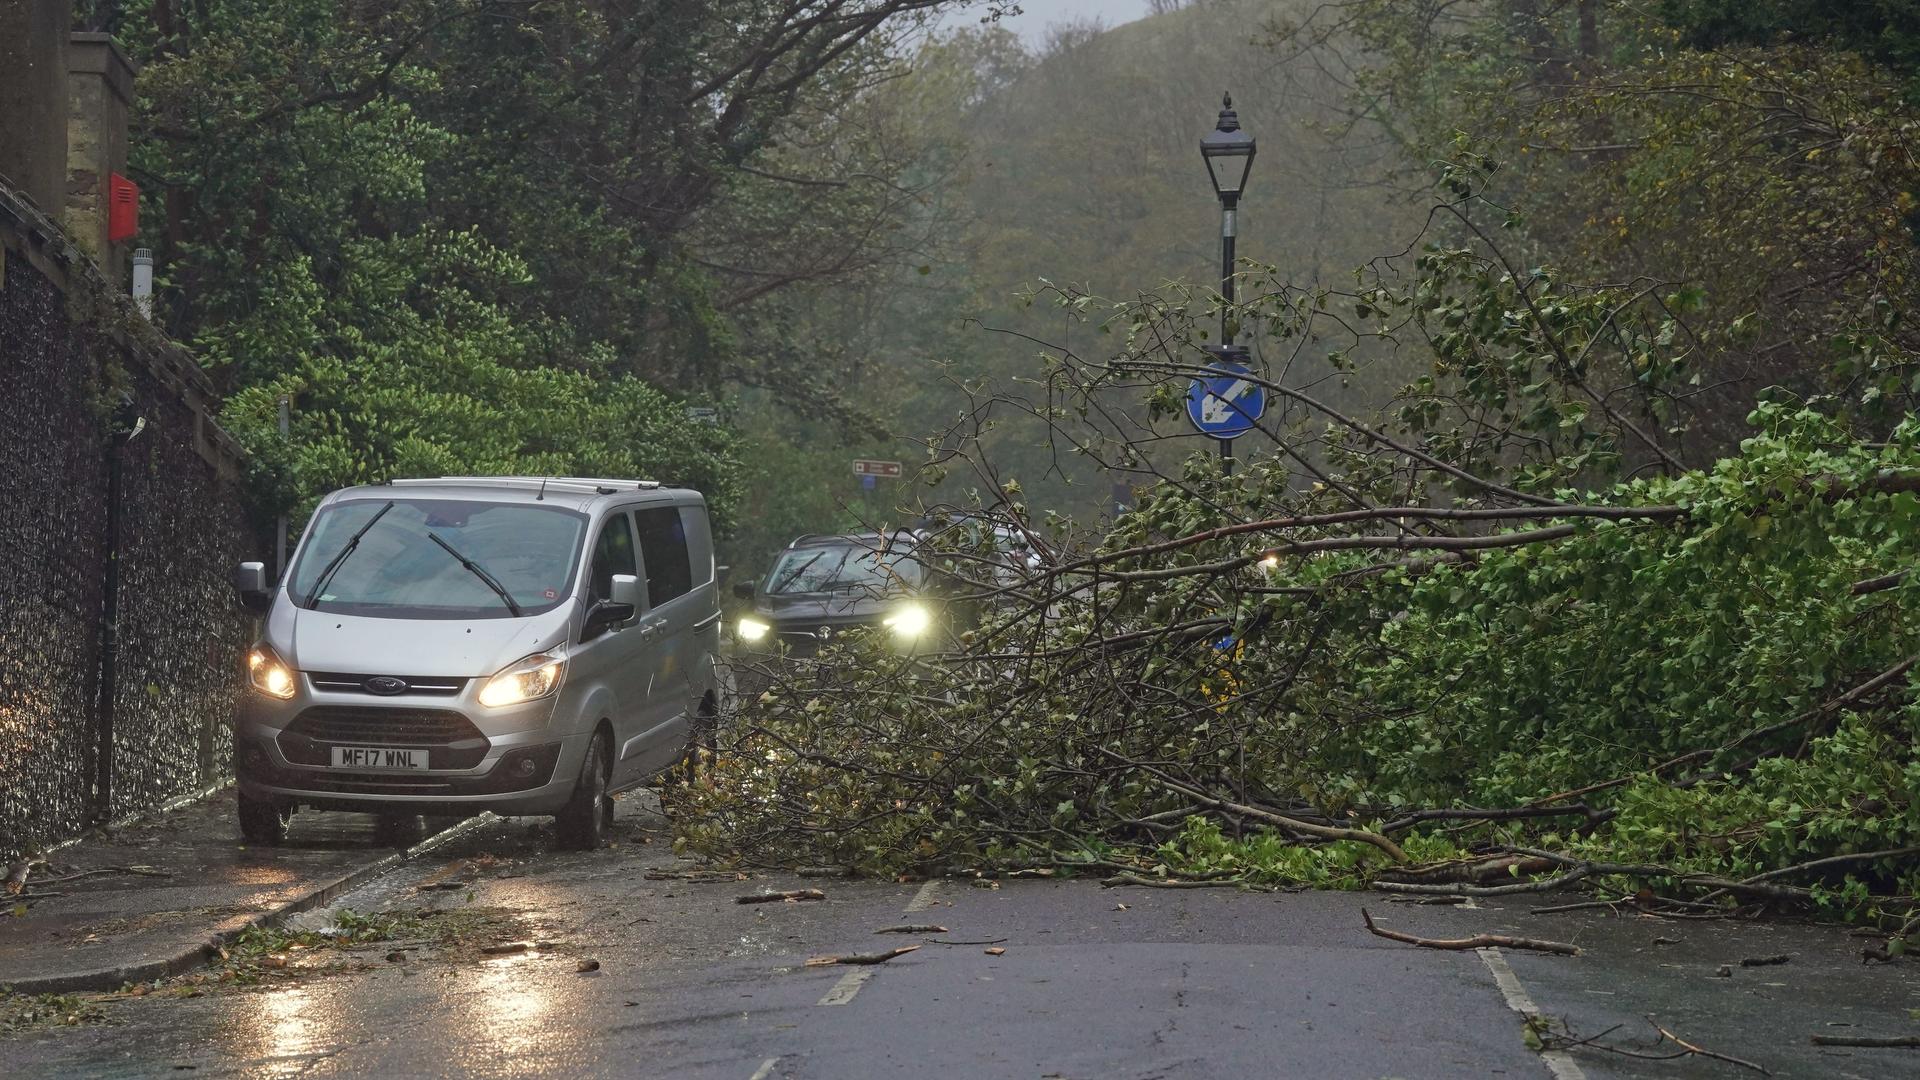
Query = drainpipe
x=126 y=425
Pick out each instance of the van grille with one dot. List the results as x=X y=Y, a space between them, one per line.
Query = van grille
x=383 y=727
x=451 y=740
x=341 y=682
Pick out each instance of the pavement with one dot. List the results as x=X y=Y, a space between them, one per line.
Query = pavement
x=649 y=967
x=149 y=898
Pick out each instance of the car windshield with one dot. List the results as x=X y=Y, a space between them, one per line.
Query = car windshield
x=837 y=567
x=407 y=563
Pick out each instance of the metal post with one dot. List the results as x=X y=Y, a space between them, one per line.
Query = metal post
x=143 y=281
x=280 y=527
x=1228 y=207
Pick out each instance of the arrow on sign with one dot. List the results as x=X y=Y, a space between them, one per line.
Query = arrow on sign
x=1218 y=408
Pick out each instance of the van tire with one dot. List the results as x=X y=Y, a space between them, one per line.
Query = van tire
x=262 y=821
x=586 y=822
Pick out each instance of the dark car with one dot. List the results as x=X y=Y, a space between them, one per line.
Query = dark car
x=825 y=587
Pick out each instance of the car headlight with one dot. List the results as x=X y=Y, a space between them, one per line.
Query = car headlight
x=909 y=620
x=268 y=673
x=525 y=679
x=751 y=630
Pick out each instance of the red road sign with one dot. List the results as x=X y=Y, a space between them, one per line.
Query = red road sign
x=864 y=467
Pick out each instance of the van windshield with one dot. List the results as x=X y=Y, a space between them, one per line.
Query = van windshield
x=407 y=560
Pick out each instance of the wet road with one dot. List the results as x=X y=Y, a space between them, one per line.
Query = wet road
x=1122 y=983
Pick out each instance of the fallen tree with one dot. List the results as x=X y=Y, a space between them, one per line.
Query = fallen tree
x=1376 y=649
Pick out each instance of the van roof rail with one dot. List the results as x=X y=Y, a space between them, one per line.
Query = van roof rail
x=588 y=482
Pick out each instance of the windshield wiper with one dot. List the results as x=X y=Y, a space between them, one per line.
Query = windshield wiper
x=781 y=585
x=479 y=572
x=326 y=575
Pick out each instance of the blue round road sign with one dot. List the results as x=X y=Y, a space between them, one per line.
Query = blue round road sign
x=1225 y=405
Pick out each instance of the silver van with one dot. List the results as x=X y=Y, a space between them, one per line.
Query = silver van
x=524 y=645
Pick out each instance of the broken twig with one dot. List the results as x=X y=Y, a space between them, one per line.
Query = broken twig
x=1477 y=941
x=791 y=896
x=1170 y=883
x=1875 y=1041
x=860 y=958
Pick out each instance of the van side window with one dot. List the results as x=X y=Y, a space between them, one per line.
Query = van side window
x=663 y=545
x=612 y=554
x=693 y=522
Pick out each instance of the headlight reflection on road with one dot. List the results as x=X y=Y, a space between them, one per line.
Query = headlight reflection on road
x=285 y=1031
x=506 y=1007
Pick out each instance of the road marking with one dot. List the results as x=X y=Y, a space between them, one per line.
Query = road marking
x=923 y=899
x=849 y=985
x=765 y=1070
x=852 y=981
x=1559 y=1062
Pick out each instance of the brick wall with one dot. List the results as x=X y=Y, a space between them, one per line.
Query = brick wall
x=77 y=371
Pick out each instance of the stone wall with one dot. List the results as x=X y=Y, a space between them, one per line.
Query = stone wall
x=85 y=385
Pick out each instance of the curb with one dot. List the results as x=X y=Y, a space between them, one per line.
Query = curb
x=194 y=956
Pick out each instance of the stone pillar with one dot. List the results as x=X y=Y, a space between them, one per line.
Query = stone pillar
x=33 y=99
x=99 y=96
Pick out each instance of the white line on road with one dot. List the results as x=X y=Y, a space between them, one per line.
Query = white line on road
x=1559 y=1062
x=849 y=985
x=923 y=899
x=765 y=1070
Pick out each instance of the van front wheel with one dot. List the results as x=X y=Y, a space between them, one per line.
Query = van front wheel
x=586 y=821
x=262 y=821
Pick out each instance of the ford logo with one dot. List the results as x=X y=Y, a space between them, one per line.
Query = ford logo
x=385 y=685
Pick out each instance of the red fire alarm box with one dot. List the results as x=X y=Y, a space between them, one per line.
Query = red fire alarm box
x=123 y=208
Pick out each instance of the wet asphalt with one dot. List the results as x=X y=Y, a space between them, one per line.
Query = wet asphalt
x=1128 y=983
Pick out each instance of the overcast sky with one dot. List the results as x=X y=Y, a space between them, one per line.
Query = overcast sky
x=1039 y=14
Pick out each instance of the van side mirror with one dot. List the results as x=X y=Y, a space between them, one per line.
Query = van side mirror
x=626 y=590
x=743 y=589
x=722 y=572
x=250 y=581
x=619 y=608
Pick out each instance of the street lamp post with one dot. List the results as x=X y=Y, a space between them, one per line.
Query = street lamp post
x=1228 y=152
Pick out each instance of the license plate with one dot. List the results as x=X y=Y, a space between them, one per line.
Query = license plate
x=377 y=757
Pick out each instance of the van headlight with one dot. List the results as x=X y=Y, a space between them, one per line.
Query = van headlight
x=909 y=620
x=751 y=630
x=525 y=679
x=268 y=673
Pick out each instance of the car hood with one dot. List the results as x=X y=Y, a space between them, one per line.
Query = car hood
x=826 y=607
x=464 y=648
